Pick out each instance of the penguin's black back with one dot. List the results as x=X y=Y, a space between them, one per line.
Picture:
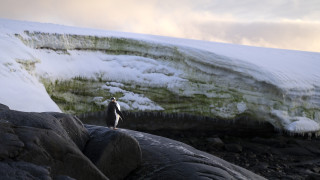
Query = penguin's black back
x=111 y=114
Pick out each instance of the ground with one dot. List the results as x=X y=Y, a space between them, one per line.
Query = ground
x=277 y=156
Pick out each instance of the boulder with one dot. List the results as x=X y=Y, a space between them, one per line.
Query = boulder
x=46 y=141
x=51 y=145
x=74 y=128
x=65 y=125
x=115 y=153
x=163 y=158
x=215 y=141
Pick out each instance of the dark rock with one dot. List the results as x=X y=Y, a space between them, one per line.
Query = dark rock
x=233 y=148
x=312 y=149
x=313 y=176
x=62 y=177
x=43 y=140
x=11 y=170
x=65 y=125
x=74 y=128
x=300 y=163
x=312 y=146
x=266 y=141
x=47 y=148
x=24 y=171
x=257 y=148
x=276 y=151
x=252 y=156
x=164 y=158
x=261 y=166
x=115 y=153
x=3 y=107
x=296 y=151
x=10 y=144
x=292 y=141
x=215 y=141
x=293 y=177
x=316 y=169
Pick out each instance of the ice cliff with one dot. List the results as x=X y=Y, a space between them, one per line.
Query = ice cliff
x=41 y=62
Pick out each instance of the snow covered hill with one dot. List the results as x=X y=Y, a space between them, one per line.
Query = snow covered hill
x=46 y=67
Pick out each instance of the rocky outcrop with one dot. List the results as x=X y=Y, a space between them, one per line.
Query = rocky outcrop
x=58 y=146
x=163 y=158
x=44 y=140
x=115 y=153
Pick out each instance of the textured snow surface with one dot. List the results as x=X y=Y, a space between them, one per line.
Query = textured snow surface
x=280 y=86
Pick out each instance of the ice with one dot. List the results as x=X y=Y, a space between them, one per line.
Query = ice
x=113 y=89
x=302 y=125
x=241 y=107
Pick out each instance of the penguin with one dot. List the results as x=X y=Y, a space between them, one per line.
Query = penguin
x=113 y=114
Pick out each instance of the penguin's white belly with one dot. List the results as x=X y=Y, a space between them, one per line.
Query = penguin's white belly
x=117 y=115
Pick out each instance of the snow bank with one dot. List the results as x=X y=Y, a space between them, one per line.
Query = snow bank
x=279 y=86
x=20 y=90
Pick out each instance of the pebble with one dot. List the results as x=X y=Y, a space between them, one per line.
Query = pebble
x=316 y=169
x=233 y=148
x=215 y=141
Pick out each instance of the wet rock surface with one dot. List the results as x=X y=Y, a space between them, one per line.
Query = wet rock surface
x=115 y=153
x=254 y=145
x=274 y=157
x=11 y=170
x=163 y=158
x=43 y=146
x=58 y=146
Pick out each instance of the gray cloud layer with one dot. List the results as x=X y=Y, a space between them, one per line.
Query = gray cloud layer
x=289 y=24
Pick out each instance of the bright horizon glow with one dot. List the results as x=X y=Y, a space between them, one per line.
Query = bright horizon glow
x=285 y=24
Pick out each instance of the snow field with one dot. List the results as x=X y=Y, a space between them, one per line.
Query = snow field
x=279 y=86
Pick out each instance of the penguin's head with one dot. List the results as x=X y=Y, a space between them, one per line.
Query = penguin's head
x=113 y=99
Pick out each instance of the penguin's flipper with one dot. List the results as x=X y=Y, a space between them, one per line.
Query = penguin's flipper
x=120 y=118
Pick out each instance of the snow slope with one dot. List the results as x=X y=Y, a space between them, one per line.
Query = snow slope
x=228 y=81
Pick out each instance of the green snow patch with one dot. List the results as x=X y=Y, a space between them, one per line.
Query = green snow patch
x=81 y=95
x=29 y=64
x=76 y=95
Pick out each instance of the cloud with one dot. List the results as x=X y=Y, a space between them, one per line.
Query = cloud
x=288 y=24
x=285 y=35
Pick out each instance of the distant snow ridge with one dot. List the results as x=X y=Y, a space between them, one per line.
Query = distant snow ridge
x=204 y=78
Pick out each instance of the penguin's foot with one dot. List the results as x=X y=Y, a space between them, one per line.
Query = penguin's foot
x=115 y=128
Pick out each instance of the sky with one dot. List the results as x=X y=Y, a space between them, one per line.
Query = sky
x=285 y=24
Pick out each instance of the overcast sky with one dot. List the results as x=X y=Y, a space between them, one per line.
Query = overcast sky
x=287 y=24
